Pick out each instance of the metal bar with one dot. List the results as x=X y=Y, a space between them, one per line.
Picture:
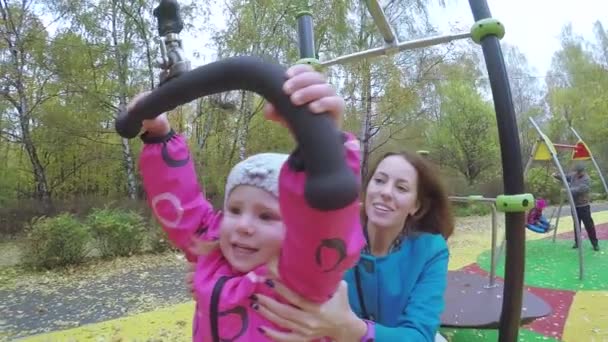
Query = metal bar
x=501 y=248
x=530 y=160
x=493 y=256
x=472 y=199
x=389 y=50
x=564 y=146
x=513 y=181
x=381 y=21
x=306 y=39
x=559 y=214
x=577 y=226
x=597 y=167
x=492 y=203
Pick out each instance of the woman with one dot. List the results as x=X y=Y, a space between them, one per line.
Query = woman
x=396 y=289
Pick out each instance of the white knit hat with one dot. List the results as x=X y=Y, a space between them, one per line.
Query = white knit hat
x=260 y=170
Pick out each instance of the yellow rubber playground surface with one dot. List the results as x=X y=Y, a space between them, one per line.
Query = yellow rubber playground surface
x=580 y=308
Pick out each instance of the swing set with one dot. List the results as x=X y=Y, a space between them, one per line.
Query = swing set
x=545 y=151
x=330 y=184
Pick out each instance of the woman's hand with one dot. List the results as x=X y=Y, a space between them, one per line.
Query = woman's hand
x=157 y=127
x=305 y=85
x=308 y=321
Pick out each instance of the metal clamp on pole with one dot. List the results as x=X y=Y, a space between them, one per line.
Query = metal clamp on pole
x=172 y=61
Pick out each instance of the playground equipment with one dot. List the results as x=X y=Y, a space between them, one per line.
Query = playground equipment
x=330 y=185
x=487 y=32
x=543 y=151
x=491 y=202
x=473 y=303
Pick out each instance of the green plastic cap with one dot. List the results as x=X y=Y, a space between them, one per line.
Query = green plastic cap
x=514 y=203
x=487 y=27
x=311 y=61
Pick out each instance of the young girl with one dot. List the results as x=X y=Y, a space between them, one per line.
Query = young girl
x=536 y=220
x=266 y=219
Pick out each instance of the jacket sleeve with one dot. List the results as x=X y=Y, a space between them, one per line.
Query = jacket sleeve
x=173 y=192
x=319 y=246
x=422 y=315
x=558 y=177
x=581 y=187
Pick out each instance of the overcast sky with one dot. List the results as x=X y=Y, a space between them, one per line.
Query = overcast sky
x=532 y=25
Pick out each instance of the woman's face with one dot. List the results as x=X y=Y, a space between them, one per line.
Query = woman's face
x=392 y=194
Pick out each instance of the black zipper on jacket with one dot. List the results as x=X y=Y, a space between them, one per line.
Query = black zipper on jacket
x=213 y=310
x=360 y=293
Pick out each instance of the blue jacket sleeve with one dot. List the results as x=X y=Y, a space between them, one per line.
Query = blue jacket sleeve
x=422 y=315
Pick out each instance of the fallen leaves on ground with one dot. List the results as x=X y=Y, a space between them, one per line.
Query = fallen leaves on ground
x=97 y=269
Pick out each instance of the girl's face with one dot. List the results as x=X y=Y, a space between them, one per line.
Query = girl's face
x=252 y=230
x=392 y=194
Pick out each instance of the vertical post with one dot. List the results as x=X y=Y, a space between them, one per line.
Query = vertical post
x=530 y=160
x=494 y=255
x=306 y=37
x=559 y=214
x=488 y=36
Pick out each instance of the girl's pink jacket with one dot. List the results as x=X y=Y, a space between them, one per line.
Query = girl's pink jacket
x=319 y=246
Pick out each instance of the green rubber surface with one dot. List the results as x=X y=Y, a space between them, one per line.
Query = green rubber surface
x=555 y=265
x=473 y=335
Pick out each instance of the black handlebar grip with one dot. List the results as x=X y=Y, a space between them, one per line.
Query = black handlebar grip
x=330 y=184
x=168 y=17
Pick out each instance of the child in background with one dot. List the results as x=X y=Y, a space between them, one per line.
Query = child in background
x=266 y=219
x=536 y=220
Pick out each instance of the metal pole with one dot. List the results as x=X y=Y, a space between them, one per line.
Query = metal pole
x=559 y=214
x=465 y=199
x=530 y=160
x=389 y=50
x=577 y=226
x=501 y=248
x=597 y=167
x=493 y=256
x=381 y=21
x=512 y=170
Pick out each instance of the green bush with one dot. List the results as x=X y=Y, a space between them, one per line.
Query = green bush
x=471 y=209
x=56 y=241
x=158 y=240
x=118 y=232
x=542 y=185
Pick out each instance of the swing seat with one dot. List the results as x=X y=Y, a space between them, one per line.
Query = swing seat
x=538 y=228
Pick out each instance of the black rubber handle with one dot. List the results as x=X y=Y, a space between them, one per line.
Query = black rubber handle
x=168 y=17
x=330 y=184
